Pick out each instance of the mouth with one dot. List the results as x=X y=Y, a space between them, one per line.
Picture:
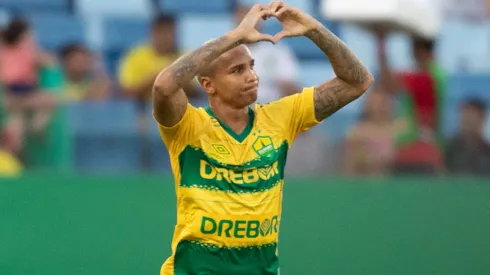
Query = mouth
x=252 y=89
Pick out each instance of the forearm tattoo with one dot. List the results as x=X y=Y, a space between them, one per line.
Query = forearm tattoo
x=344 y=62
x=187 y=67
x=352 y=77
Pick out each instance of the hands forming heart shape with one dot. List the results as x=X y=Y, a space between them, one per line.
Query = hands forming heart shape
x=294 y=22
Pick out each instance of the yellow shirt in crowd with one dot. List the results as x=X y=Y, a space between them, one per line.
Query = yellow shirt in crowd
x=141 y=63
x=9 y=166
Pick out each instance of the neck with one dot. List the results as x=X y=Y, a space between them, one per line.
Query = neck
x=235 y=118
x=425 y=63
x=162 y=51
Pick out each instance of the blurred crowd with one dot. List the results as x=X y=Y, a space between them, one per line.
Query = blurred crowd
x=398 y=131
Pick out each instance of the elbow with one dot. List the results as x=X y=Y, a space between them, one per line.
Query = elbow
x=162 y=87
x=365 y=84
x=368 y=82
x=162 y=91
x=159 y=92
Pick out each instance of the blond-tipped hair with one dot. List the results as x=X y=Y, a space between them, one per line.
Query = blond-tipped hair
x=205 y=43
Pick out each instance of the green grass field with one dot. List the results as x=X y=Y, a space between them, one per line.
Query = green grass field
x=72 y=224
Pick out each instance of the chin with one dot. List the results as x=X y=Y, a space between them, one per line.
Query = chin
x=251 y=99
x=245 y=101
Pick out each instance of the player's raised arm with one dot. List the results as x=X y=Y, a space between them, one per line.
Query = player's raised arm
x=169 y=99
x=352 y=77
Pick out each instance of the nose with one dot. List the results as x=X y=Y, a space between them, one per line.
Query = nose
x=252 y=76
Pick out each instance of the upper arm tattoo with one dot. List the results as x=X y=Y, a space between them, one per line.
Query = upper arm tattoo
x=332 y=95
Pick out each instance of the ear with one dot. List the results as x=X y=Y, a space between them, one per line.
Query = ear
x=206 y=84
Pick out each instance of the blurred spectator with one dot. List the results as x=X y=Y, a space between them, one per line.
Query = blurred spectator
x=85 y=78
x=369 y=148
x=55 y=148
x=20 y=62
x=487 y=128
x=9 y=165
x=4 y=137
x=311 y=155
x=140 y=67
x=468 y=153
x=142 y=64
x=276 y=65
x=421 y=93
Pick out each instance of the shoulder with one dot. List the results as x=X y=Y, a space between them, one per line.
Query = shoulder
x=190 y=127
x=192 y=116
x=193 y=120
x=295 y=107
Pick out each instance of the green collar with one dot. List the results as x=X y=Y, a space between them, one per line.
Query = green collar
x=244 y=134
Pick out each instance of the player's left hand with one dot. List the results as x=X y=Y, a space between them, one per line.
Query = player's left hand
x=295 y=22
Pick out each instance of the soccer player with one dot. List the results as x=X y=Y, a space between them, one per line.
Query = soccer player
x=228 y=159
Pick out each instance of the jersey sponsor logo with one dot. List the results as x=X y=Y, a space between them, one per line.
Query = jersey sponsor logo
x=264 y=147
x=239 y=229
x=252 y=175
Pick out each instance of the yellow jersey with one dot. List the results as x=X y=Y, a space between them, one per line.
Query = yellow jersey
x=229 y=187
x=9 y=165
x=141 y=63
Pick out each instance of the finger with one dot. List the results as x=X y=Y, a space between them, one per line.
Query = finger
x=276 y=5
x=266 y=37
x=280 y=35
x=281 y=11
x=266 y=14
x=259 y=7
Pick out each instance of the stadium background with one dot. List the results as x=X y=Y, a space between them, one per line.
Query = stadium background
x=97 y=197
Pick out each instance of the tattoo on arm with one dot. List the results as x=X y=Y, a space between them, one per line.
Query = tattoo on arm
x=169 y=98
x=330 y=96
x=187 y=67
x=352 y=77
x=344 y=62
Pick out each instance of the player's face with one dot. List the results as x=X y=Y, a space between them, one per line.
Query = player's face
x=234 y=80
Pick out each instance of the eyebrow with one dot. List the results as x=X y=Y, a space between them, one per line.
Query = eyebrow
x=252 y=62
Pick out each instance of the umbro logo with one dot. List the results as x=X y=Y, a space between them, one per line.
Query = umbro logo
x=221 y=149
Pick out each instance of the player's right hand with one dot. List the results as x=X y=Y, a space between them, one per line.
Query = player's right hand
x=294 y=21
x=247 y=28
